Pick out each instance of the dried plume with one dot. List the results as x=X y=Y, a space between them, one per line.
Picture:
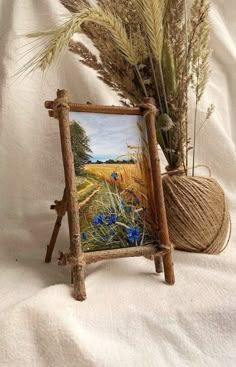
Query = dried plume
x=200 y=46
x=199 y=56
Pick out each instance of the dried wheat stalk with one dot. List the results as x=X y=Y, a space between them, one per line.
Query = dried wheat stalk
x=145 y=48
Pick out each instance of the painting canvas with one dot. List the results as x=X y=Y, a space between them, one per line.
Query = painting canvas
x=113 y=181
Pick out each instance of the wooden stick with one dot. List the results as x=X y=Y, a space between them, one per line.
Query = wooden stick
x=158 y=193
x=158 y=264
x=95 y=256
x=57 y=226
x=61 y=107
x=76 y=107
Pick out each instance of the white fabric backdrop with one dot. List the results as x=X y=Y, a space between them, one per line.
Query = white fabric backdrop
x=131 y=318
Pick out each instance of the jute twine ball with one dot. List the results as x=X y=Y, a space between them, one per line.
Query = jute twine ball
x=197 y=213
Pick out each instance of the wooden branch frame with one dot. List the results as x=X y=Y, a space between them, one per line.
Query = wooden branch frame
x=60 y=109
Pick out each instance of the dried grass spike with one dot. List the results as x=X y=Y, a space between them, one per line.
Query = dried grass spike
x=152 y=14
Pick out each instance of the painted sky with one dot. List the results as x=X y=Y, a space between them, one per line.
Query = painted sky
x=109 y=134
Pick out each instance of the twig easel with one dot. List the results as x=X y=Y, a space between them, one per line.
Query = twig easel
x=60 y=109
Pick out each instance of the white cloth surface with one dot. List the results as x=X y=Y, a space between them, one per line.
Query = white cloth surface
x=131 y=317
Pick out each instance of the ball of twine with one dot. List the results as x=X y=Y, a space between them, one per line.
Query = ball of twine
x=197 y=213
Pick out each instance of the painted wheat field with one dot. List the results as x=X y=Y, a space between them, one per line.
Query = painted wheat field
x=113 y=181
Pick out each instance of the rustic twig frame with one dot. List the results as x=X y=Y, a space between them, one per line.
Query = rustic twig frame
x=161 y=252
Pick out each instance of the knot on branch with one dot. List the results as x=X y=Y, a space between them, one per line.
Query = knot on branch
x=60 y=103
x=60 y=207
x=75 y=240
x=69 y=259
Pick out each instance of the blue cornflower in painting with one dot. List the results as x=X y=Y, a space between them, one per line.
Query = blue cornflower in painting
x=112 y=219
x=83 y=236
x=134 y=234
x=114 y=175
x=98 y=219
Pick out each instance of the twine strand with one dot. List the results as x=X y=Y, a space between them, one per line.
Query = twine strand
x=60 y=103
x=149 y=109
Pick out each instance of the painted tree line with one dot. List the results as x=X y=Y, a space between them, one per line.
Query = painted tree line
x=81 y=149
x=80 y=143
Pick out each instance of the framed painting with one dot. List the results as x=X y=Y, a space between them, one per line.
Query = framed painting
x=113 y=193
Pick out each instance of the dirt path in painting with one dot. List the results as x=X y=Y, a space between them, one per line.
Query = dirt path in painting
x=96 y=176
x=86 y=188
x=85 y=201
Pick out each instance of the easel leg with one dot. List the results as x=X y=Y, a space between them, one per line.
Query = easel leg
x=158 y=193
x=79 y=283
x=158 y=264
x=53 y=239
x=57 y=226
x=61 y=108
x=71 y=249
x=169 y=268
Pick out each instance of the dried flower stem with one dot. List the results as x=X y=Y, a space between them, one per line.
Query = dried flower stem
x=187 y=67
x=155 y=80
x=163 y=87
x=195 y=121
x=141 y=80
